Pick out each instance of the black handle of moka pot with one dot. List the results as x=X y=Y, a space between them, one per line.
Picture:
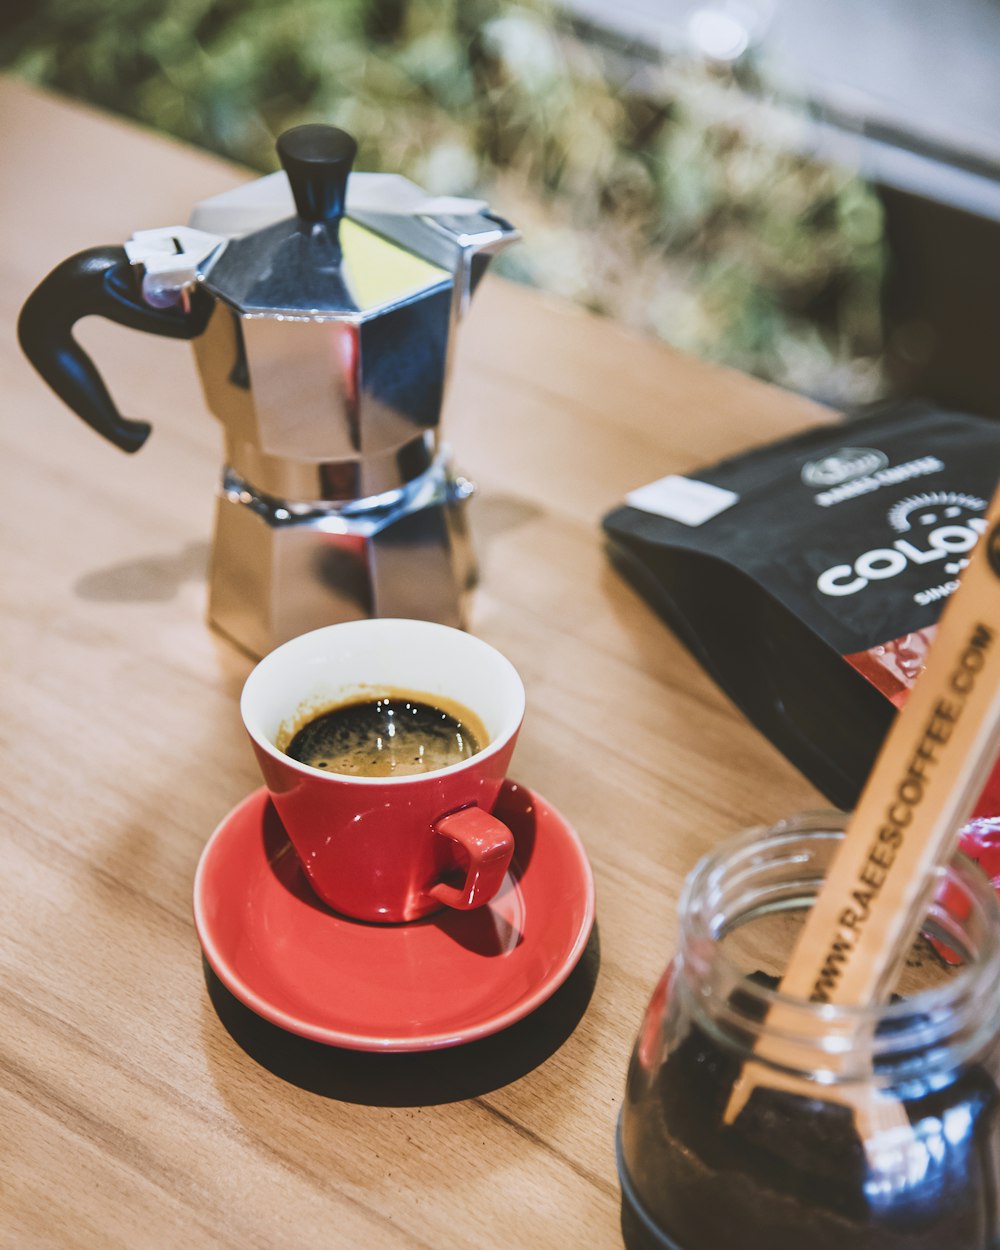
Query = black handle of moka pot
x=96 y=282
x=318 y=160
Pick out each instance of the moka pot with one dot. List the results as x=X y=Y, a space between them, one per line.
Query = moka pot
x=322 y=306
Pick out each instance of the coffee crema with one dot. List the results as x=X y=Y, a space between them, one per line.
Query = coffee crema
x=391 y=734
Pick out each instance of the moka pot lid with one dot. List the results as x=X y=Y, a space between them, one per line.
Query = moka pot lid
x=318 y=261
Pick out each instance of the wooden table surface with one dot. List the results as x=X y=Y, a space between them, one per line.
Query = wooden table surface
x=138 y=1110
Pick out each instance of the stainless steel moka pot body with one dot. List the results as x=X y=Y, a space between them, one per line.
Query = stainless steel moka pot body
x=322 y=307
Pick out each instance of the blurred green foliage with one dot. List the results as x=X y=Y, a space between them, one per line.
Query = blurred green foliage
x=662 y=194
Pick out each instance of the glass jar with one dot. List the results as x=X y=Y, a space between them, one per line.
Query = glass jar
x=883 y=1126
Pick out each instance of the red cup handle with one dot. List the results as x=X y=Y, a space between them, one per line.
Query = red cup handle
x=489 y=845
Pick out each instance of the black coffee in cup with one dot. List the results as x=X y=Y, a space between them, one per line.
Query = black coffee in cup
x=394 y=734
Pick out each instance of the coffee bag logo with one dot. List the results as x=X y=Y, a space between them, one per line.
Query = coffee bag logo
x=843 y=465
x=933 y=508
x=942 y=528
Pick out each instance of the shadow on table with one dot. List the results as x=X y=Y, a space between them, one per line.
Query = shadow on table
x=148 y=579
x=413 y=1080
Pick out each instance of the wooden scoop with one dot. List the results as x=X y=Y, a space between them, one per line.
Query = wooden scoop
x=930 y=771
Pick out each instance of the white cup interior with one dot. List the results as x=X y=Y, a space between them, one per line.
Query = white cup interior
x=340 y=662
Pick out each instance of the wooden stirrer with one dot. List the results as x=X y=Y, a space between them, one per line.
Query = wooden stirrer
x=931 y=769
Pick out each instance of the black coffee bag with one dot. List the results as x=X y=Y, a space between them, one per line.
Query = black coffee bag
x=807 y=576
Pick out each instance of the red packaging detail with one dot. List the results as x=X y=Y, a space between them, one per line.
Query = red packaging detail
x=892 y=668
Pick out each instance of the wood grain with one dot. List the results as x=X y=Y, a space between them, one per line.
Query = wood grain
x=130 y=1115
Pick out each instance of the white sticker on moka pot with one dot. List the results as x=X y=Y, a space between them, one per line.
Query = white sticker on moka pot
x=171 y=257
x=682 y=499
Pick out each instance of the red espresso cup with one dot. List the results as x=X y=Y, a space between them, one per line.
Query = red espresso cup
x=389 y=848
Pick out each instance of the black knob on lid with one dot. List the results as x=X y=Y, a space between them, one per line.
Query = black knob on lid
x=317 y=160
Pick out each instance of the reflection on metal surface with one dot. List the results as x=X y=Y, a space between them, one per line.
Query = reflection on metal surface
x=279 y=570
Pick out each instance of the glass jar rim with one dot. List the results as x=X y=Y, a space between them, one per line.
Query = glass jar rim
x=699 y=924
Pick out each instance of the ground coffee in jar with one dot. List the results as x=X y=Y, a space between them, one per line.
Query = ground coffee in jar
x=807 y=576
x=798 y=1168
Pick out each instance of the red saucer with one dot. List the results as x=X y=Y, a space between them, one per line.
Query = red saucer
x=447 y=979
